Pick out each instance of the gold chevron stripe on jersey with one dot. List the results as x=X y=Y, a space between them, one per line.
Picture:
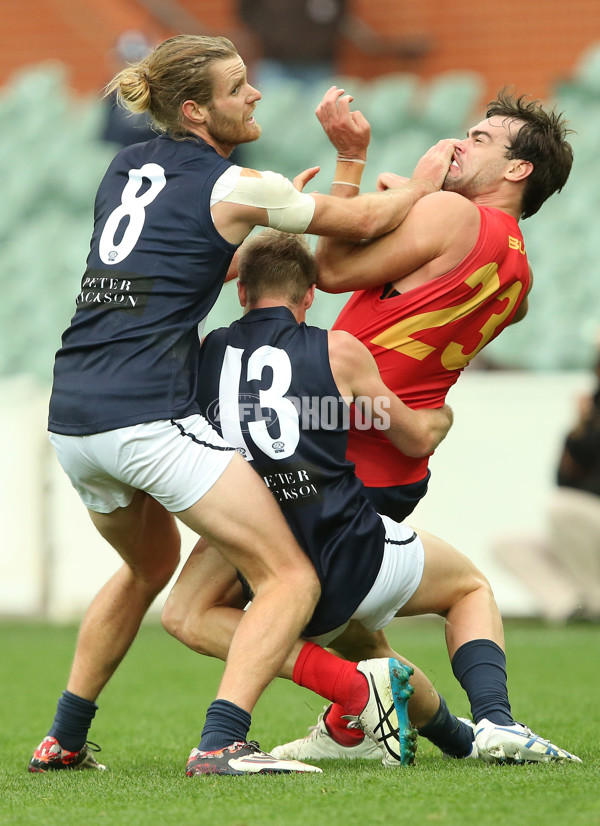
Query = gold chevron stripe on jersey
x=402 y=336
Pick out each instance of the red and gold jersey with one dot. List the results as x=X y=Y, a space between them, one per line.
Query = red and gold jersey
x=423 y=339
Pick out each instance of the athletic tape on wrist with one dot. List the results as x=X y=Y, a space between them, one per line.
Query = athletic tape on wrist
x=351 y=160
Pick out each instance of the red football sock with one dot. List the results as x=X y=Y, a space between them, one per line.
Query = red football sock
x=338 y=727
x=336 y=680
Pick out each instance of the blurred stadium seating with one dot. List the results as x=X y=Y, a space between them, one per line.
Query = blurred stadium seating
x=52 y=158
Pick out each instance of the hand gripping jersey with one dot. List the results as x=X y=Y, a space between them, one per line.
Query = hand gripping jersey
x=155 y=268
x=423 y=339
x=266 y=384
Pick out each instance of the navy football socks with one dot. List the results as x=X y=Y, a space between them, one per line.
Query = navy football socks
x=448 y=733
x=480 y=667
x=72 y=721
x=225 y=724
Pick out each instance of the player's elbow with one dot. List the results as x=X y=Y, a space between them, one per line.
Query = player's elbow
x=328 y=282
x=420 y=446
x=431 y=440
x=415 y=444
x=329 y=278
x=423 y=442
x=433 y=427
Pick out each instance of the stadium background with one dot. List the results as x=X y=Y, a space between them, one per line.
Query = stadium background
x=494 y=472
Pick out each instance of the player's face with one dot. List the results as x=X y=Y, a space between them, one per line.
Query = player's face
x=230 y=119
x=480 y=160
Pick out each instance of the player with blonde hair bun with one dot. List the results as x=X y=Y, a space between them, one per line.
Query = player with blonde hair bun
x=124 y=421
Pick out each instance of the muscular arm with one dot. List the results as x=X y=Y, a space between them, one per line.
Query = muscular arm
x=416 y=433
x=267 y=199
x=366 y=216
x=435 y=236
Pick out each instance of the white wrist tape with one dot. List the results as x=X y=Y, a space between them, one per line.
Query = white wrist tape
x=339 y=159
x=288 y=209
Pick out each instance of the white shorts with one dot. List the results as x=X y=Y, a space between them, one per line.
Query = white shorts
x=175 y=461
x=398 y=579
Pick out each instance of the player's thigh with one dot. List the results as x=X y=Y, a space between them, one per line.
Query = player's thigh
x=241 y=518
x=144 y=534
x=447 y=576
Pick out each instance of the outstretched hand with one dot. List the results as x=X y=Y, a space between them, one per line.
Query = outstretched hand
x=349 y=132
x=302 y=178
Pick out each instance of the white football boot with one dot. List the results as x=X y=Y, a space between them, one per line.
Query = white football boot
x=319 y=744
x=516 y=744
x=385 y=716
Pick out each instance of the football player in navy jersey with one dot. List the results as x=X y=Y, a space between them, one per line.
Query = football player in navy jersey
x=124 y=420
x=280 y=392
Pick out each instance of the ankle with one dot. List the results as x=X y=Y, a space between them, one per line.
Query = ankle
x=337 y=727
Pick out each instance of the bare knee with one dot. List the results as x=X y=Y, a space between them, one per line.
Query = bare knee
x=173 y=618
x=308 y=585
x=304 y=587
x=468 y=583
x=479 y=583
x=192 y=631
x=297 y=585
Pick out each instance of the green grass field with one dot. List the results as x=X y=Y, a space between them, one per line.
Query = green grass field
x=152 y=713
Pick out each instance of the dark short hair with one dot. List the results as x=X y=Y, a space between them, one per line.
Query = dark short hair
x=542 y=141
x=278 y=264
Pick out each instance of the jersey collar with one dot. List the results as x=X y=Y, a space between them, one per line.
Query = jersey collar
x=265 y=313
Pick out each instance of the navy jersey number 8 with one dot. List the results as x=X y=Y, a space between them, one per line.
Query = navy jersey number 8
x=133 y=208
